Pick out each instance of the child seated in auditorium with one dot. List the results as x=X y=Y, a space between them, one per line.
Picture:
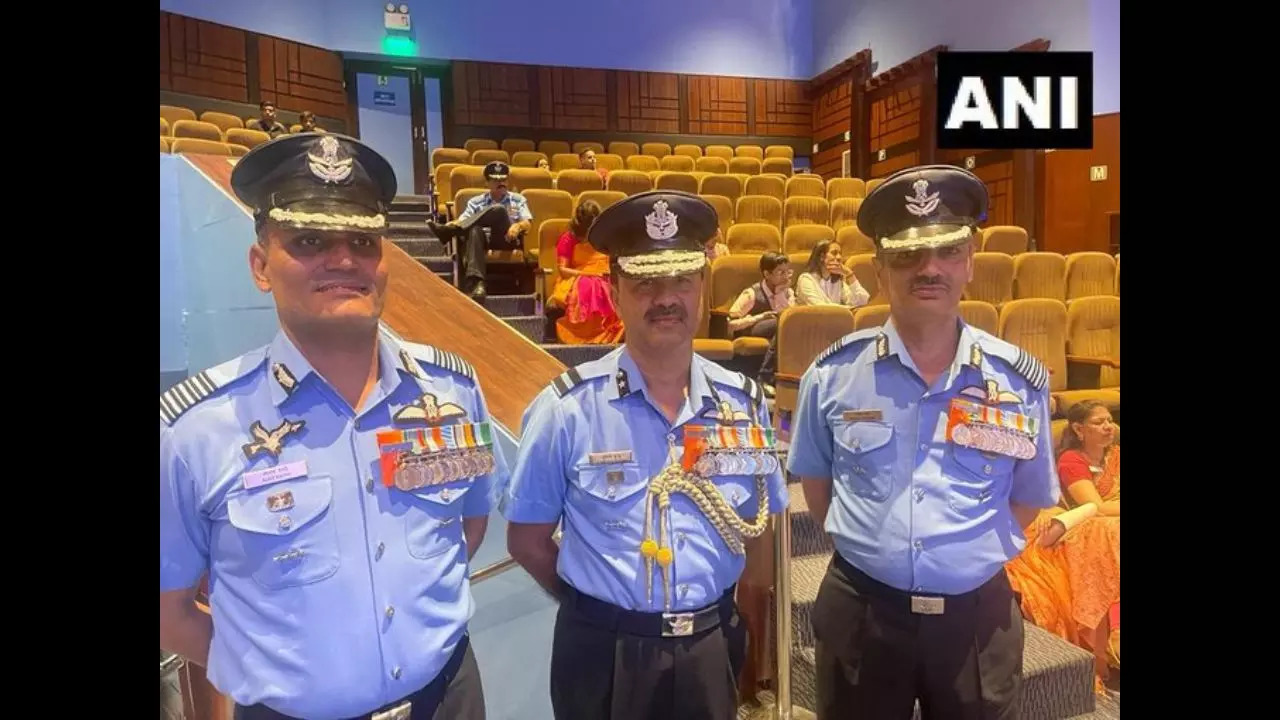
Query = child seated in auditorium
x=826 y=281
x=583 y=288
x=755 y=311
x=716 y=246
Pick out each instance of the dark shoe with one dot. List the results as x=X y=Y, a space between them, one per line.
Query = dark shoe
x=478 y=291
x=444 y=232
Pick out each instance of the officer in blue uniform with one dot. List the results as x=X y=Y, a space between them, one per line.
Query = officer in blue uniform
x=660 y=468
x=333 y=484
x=924 y=446
x=496 y=220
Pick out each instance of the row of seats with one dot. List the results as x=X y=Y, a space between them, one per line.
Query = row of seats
x=198 y=130
x=196 y=146
x=626 y=149
x=610 y=161
x=172 y=114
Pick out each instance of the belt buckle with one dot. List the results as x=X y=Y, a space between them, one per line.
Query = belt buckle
x=927 y=605
x=677 y=624
x=399 y=712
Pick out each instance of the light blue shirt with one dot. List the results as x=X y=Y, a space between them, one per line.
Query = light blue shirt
x=909 y=508
x=603 y=407
x=352 y=595
x=517 y=206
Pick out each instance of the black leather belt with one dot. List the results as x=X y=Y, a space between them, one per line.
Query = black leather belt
x=648 y=624
x=916 y=603
x=420 y=704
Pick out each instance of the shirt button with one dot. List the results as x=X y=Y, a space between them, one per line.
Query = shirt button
x=919 y=546
x=684 y=589
x=986 y=469
x=368 y=484
x=924 y=447
x=919 y=494
x=671 y=437
x=391 y=612
x=378 y=554
x=395 y=672
x=917 y=588
x=681 y=536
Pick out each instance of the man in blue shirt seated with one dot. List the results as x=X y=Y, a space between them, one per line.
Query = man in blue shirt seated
x=497 y=220
x=334 y=484
x=924 y=447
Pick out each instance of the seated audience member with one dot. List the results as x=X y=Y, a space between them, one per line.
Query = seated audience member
x=826 y=281
x=496 y=220
x=307 y=120
x=583 y=288
x=268 y=123
x=716 y=246
x=1068 y=576
x=587 y=161
x=543 y=164
x=755 y=312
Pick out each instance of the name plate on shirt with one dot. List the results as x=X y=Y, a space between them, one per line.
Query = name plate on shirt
x=609 y=458
x=862 y=416
x=279 y=473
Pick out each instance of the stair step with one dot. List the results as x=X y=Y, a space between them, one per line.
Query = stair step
x=410 y=216
x=438 y=265
x=572 y=355
x=445 y=276
x=410 y=203
x=531 y=326
x=506 y=306
x=421 y=246
x=410 y=228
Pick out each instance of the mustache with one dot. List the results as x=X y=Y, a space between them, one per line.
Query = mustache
x=930 y=281
x=662 y=312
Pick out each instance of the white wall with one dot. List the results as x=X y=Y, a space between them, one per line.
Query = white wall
x=1104 y=23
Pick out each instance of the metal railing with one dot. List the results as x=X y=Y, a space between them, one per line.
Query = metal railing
x=489 y=571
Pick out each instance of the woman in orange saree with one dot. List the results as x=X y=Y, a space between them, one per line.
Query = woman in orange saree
x=1068 y=576
x=583 y=288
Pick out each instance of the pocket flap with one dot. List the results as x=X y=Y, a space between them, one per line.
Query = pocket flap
x=862 y=437
x=443 y=494
x=300 y=501
x=611 y=483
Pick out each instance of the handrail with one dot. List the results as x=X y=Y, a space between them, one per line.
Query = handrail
x=489 y=571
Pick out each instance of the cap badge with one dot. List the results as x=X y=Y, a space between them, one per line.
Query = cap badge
x=661 y=224
x=924 y=203
x=327 y=165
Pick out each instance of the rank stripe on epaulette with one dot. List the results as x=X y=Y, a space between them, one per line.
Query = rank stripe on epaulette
x=1030 y=367
x=185 y=395
x=567 y=381
x=753 y=391
x=453 y=362
x=844 y=342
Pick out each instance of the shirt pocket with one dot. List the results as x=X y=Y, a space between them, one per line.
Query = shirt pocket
x=433 y=524
x=608 y=499
x=976 y=475
x=864 y=458
x=297 y=545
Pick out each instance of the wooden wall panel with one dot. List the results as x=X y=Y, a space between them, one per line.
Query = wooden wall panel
x=996 y=168
x=717 y=105
x=572 y=99
x=831 y=119
x=781 y=108
x=1075 y=208
x=298 y=76
x=201 y=58
x=648 y=102
x=895 y=127
x=492 y=94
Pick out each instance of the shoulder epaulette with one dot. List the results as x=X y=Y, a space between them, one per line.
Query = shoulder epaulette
x=185 y=395
x=567 y=381
x=431 y=355
x=753 y=390
x=847 y=341
x=1022 y=362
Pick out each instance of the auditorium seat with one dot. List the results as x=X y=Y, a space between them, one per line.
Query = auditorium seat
x=655 y=149
x=486 y=156
x=164 y=127
x=609 y=161
x=745 y=166
x=475 y=144
x=681 y=181
x=463 y=196
x=544 y=205
x=981 y=315
x=565 y=161
x=802 y=238
x=780 y=151
x=691 y=151
x=1040 y=275
x=749 y=151
x=759 y=208
x=1093 y=348
x=643 y=163
x=873 y=184
x=252 y=124
x=246 y=137
x=844 y=211
x=805 y=186
x=863 y=267
x=869 y=316
x=781 y=166
x=845 y=188
x=442 y=155
x=729 y=186
x=629 y=182
x=803 y=332
x=527 y=159
x=805 y=210
x=1008 y=239
x=579 y=181
x=224 y=121
x=443 y=189
x=604 y=198
x=238 y=150
x=853 y=242
x=711 y=165
x=1039 y=327
x=581 y=147
x=623 y=149
x=164 y=144
x=1090 y=273
x=467 y=176
x=765 y=185
x=752 y=238
x=548 y=237
x=724 y=211
x=198 y=130
x=1117 y=274
x=713 y=349
x=173 y=113
x=731 y=275
x=551 y=148
x=198 y=146
x=676 y=163
x=720 y=151
x=992 y=279
x=516 y=145
x=531 y=178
